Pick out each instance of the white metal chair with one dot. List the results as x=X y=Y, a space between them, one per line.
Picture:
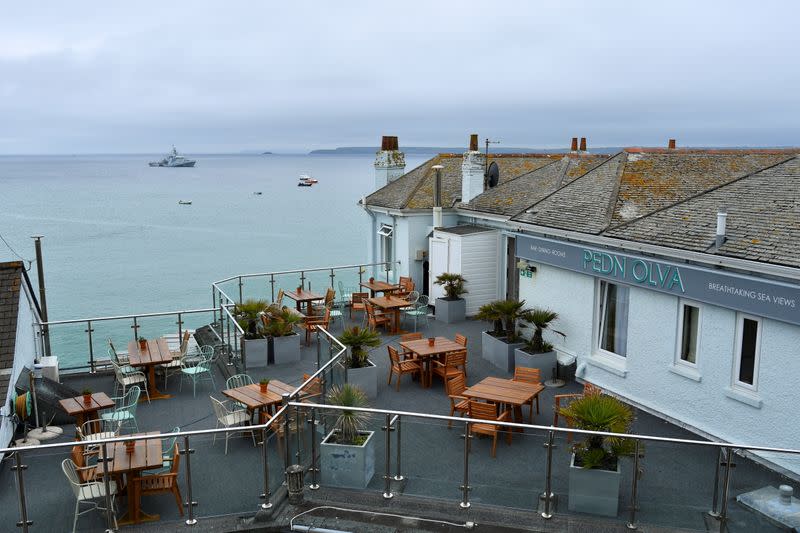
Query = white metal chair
x=93 y=430
x=87 y=492
x=126 y=379
x=174 y=366
x=230 y=418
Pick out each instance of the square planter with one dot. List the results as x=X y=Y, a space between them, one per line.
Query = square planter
x=499 y=352
x=365 y=378
x=546 y=362
x=594 y=491
x=343 y=465
x=451 y=311
x=284 y=349
x=255 y=349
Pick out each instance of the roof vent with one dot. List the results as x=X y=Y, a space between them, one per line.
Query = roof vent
x=722 y=216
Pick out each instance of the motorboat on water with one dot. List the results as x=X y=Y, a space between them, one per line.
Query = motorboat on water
x=306 y=180
x=173 y=159
x=184 y=202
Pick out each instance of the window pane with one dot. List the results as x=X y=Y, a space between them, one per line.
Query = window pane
x=747 y=360
x=614 y=332
x=689 y=339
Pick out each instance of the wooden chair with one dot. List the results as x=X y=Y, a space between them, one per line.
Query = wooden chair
x=279 y=299
x=161 y=483
x=86 y=472
x=454 y=363
x=529 y=375
x=310 y=324
x=409 y=366
x=406 y=285
x=488 y=411
x=357 y=300
x=376 y=318
x=407 y=354
x=563 y=400
x=455 y=386
x=313 y=390
x=330 y=298
x=461 y=339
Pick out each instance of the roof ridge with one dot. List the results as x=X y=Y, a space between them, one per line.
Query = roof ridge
x=698 y=195
x=710 y=151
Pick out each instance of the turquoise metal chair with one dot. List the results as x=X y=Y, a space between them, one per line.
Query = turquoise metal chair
x=344 y=294
x=124 y=411
x=167 y=447
x=202 y=370
x=337 y=312
x=238 y=380
x=420 y=310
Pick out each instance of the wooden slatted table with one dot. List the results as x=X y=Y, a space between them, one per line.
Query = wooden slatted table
x=391 y=304
x=304 y=297
x=423 y=351
x=505 y=391
x=83 y=411
x=255 y=400
x=157 y=353
x=146 y=455
x=379 y=286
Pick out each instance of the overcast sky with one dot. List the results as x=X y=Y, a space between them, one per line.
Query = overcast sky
x=114 y=77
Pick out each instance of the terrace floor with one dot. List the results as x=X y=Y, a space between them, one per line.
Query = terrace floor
x=675 y=491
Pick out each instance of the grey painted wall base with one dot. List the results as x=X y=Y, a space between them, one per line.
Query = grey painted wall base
x=451 y=311
x=365 y=378
x=342 y=465
x=546 y=362
x=255 y=350
x=593 y=491
x=286 y=349
x=498 y=352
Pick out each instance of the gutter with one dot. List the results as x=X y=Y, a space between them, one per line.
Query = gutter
x=372 y=229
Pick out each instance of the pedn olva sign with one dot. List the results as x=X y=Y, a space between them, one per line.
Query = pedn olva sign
x=761 y=297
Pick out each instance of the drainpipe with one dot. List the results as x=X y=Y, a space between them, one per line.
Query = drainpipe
x=373 y=232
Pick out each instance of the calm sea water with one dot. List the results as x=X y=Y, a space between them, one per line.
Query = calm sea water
x=117 y=241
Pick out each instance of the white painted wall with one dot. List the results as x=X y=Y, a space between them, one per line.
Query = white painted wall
x=474 y=256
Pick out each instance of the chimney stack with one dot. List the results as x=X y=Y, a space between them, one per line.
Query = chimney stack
x=390 y=162
x=671 y=144
x=722 y=216
x=574 y=146
x=583 y=144
x=473 y=142
x=472 y=170
x=437 y=196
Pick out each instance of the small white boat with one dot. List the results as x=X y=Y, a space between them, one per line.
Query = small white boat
x=257 y=193
x=184 y=202
x=306 y=180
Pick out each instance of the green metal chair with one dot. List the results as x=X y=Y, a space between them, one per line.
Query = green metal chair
x=125 y=410
x=337 y=312
x=344 y=294
x=167 y=446
x=199 y=371
x=420 y=310
x=238 y=380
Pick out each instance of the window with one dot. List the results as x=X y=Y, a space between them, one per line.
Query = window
x=613 y=318
x=748 y=345
x=387 y=250
x=688 y=333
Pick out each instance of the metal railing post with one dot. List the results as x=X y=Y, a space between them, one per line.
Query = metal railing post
x=23 y=507
x=240 y=290
x=715 y=502
x=110 y=518
x=303 y=279
x=180 y=328
x=465 y=487
x=333 y=278
x=398 y=476
x=135 y=328
x=190 y=504
x=313 y=468
x=723 y=514
x=272 y=286
x=634 y=487
x=89 y=331
x=286 y=433
x=267 y=504
x=297 y=422
x=319 y=347
x=387 y=477
x=548 y=477
x=214 y=302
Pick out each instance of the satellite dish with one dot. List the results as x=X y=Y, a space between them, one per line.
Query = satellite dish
x=493 y=174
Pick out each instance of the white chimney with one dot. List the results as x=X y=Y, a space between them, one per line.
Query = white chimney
x=437 y=197
x=390 y=162
x=722 y=216
x=472 y=169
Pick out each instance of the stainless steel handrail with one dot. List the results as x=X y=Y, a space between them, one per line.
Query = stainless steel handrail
x=301 y=270
x=125 y=317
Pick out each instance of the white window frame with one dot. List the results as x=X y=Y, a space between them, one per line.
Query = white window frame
x=386 y=233
x=737 y=353
x=679 y=338
x=598 y=313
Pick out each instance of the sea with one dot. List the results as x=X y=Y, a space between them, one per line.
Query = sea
x=117 y=242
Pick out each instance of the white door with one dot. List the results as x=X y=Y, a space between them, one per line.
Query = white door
x=439 y=263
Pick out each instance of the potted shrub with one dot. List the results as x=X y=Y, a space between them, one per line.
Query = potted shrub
x=361 y=372
x=248 y=315
x=142 y=344
x=283 y=342
x=452 y=308
x=594 y=472
x=87 y=396
x=347 y=453
x=537 y=353
x=263 y=384
x=499 y=344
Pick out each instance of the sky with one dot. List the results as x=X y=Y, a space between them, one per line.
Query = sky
x=214 y=77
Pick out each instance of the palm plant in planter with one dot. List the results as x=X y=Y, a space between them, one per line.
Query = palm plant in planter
x=499 y=344
x=538 y=353
x=594 y=476
x=356 y=467
x=248 y=313
x=283 y=341
x=452 y=308
x=360 y=370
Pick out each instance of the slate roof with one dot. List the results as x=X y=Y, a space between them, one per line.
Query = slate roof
x=10 y=283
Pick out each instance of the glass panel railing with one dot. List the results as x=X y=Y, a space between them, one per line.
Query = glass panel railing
x=432 y=458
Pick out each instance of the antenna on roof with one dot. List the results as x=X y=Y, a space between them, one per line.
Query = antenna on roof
x=486 y=163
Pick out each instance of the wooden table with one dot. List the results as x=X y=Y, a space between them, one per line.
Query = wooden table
x=304 y=296
x=146 y=455
x=391 y=304
x=157 y=353
x=423 y=351
x=83 y=411
x=252 y=397
x=505 y=391
x=379 y=286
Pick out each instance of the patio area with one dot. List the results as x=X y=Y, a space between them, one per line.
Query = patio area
x=675 y=490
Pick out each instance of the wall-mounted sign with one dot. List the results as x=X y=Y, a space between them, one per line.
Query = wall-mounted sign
x=761 y=297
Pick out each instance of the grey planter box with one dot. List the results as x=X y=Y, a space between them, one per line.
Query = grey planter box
x=498 y=352
x=546 y=362
x=285 y=349
x=365 y=378
x=451 y=311
x=342 y=465
x=255 y=349
x=594 y=491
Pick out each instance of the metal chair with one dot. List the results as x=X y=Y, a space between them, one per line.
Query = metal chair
x=121 y=358
x=336 y=309
x=238 y=380
x=93 y=430
x=200 y=371
x=130 y=378
x=229 y=418
x=174 y=366
x=344 y=294
x=86 y=492
x=125 y=410
x=420 y=310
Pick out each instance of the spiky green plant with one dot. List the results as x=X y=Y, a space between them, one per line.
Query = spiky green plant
x=504 y=314
x=540 y=319
x=350 y=424
x=453 y=285
x=279 y=321
x=247 y=315
x=599 y=412
x=357 y=338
